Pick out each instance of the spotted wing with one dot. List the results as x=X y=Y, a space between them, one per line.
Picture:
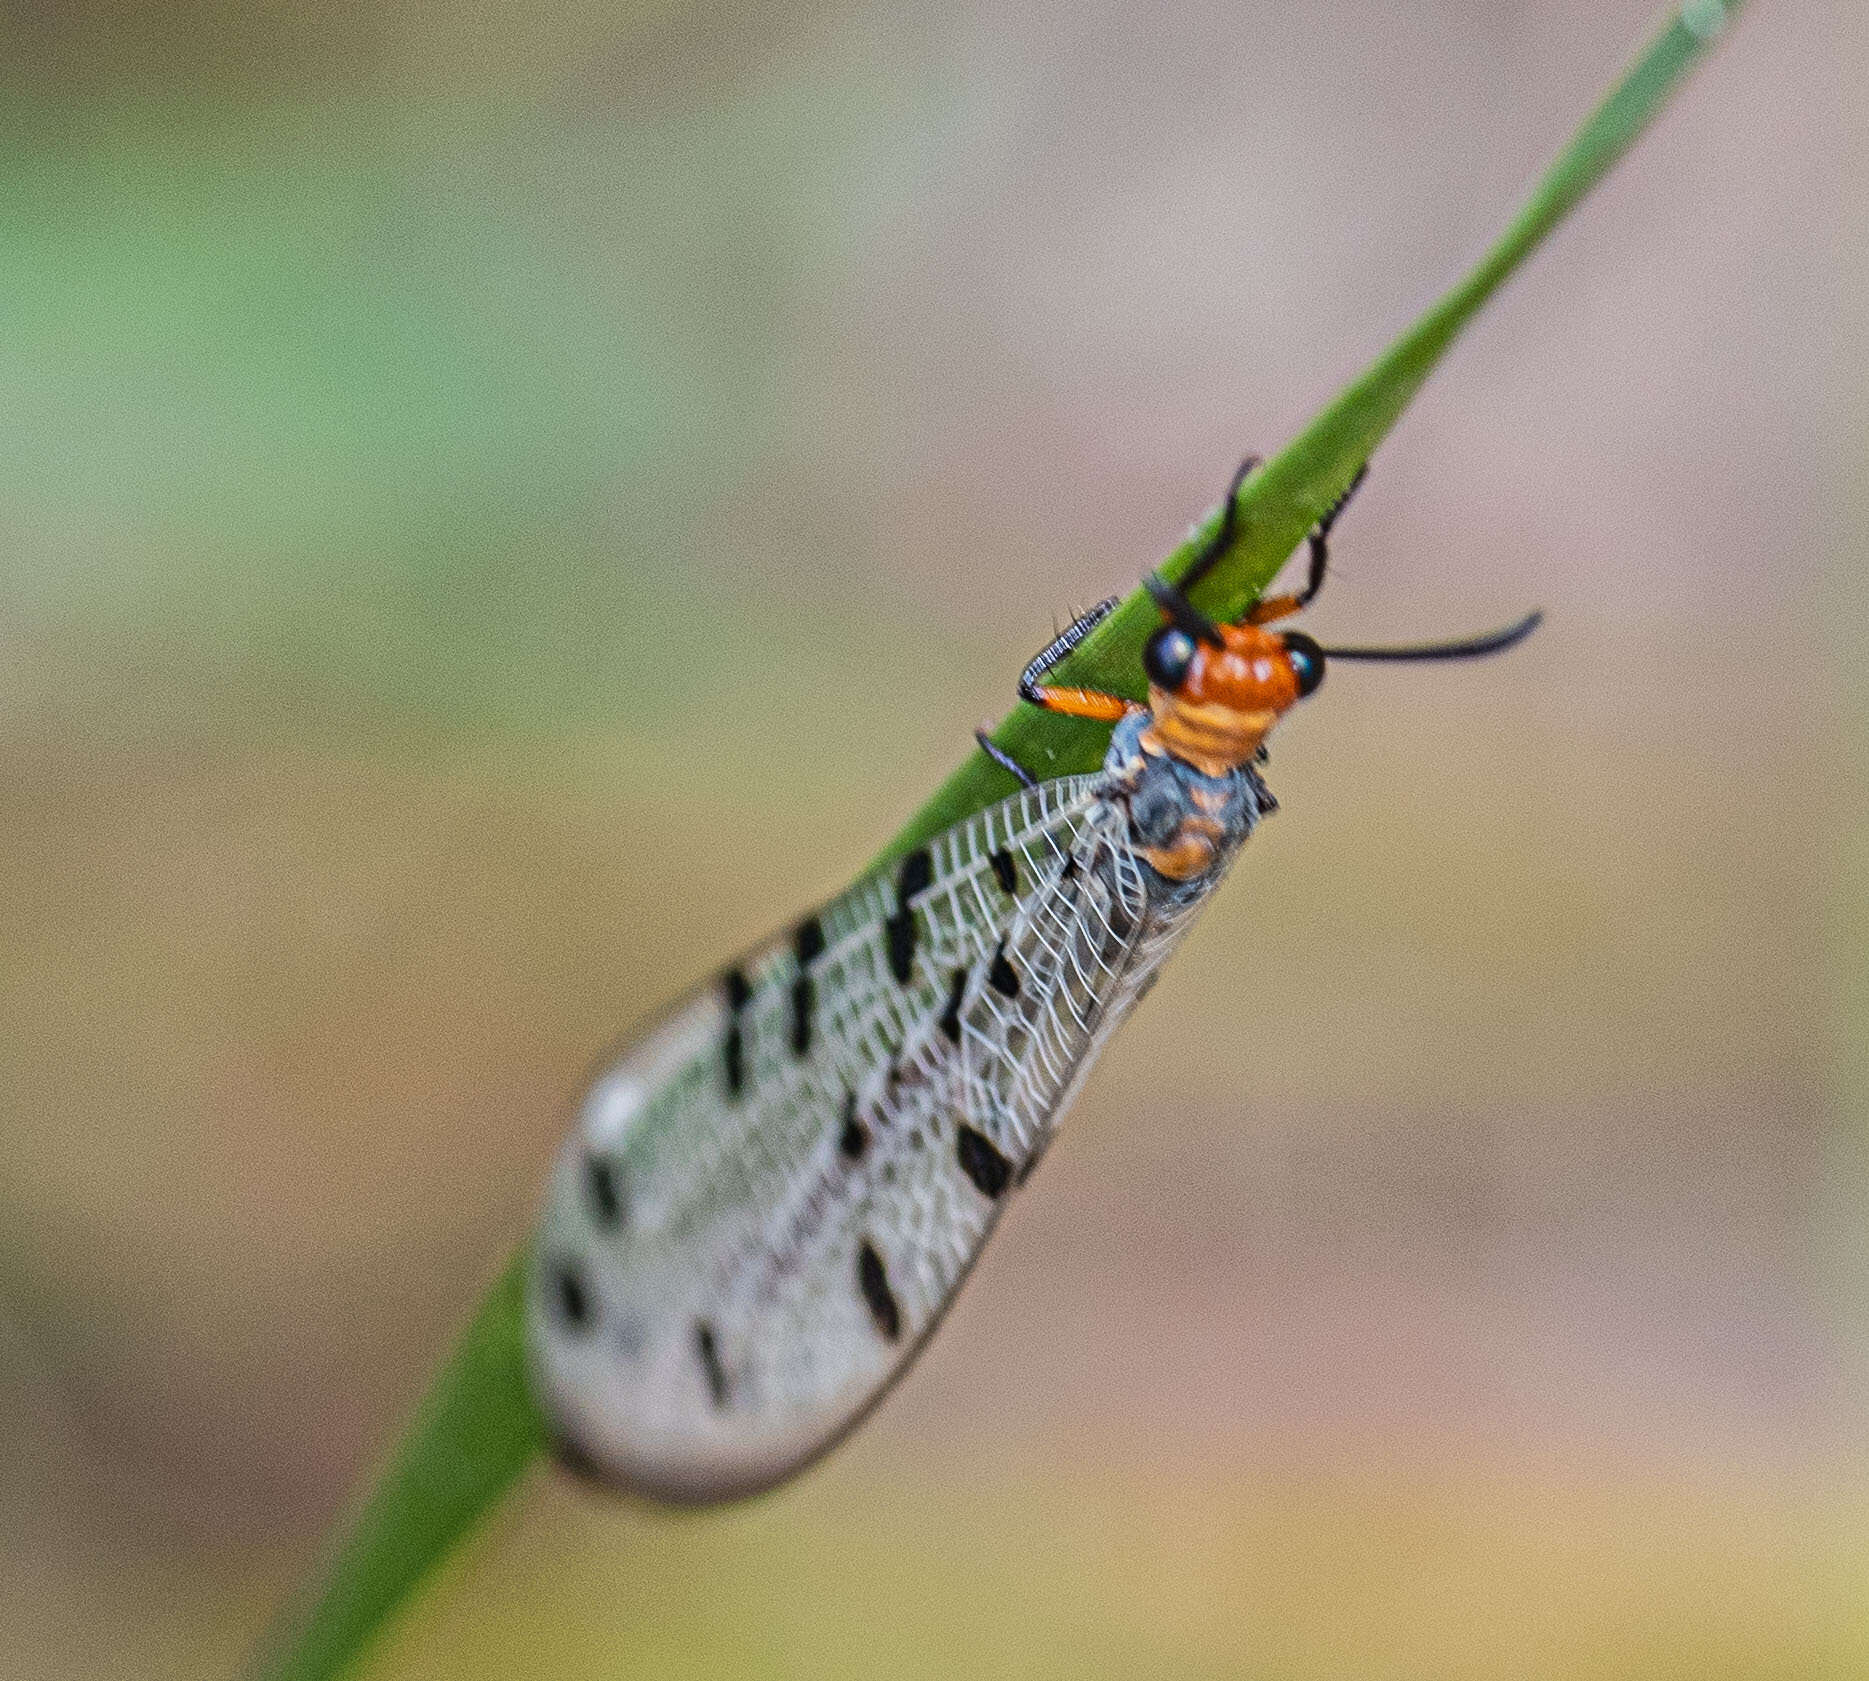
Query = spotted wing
x=771 y=1196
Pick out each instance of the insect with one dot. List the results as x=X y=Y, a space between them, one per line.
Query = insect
x=771 y=1196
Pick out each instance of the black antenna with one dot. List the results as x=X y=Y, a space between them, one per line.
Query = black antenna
x=1469 y=648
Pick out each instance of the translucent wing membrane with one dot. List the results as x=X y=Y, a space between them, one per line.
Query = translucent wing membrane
x=771 y=1197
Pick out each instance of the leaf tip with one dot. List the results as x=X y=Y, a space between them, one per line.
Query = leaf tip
x=1705 y=19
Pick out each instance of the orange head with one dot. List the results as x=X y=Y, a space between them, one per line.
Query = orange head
x=1215 y=700
x=1216 y=690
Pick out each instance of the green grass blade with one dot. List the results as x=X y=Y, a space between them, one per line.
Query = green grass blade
x=479 y=1429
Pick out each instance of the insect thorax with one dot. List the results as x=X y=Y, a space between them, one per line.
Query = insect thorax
x=1184 y=824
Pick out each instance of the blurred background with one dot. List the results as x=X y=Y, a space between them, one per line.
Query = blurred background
x=502 y=505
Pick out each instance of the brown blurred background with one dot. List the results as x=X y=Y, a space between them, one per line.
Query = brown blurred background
x=499 y=506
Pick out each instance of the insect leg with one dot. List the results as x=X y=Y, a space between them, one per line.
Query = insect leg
x=1072 y=702
x=1282 y=606
x=1172 y=598
x=1084 y=703
x=1003 y=759
x=1060 y=645
x=1216 y=545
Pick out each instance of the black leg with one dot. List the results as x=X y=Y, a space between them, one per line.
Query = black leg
x=1003 y=759
x=1059 y=646
x=1319 y=540
x=1216 y=545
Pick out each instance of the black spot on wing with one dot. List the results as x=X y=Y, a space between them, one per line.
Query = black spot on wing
x=950 y=1012
x=733 y=1047
x=916 y=874
x=899 y=930
x=981 y=1161
x=873 y=1281
x=570 y=1296
x=707 y=1350
x=807 y=947
x=1000 y=974
x=603 y=1186
x=899 y=939
x=854 y=1139
x=1005 y=872
x=804 y=1006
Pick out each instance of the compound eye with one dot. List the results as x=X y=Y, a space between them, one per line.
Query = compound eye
x=1166 y=659
x=1307 y=660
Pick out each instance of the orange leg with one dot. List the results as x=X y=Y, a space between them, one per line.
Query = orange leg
x=1273 y=607
x=1072 y=702
x=1068 y=701
x=1082 y=703
x=1283 y=606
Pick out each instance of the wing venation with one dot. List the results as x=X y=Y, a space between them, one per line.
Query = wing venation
x=772 y=1194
